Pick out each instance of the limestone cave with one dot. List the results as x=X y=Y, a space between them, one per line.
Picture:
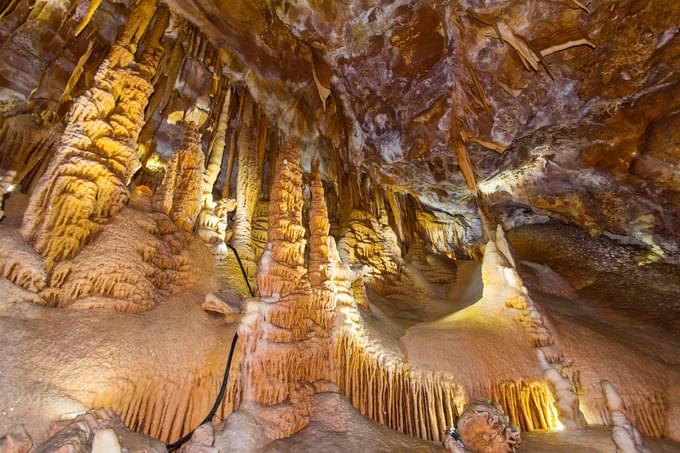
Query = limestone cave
x=339 y=226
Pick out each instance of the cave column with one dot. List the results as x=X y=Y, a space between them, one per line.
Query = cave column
x=86 y=182
x=179 y=194
x=248 y=183
x=212 y=221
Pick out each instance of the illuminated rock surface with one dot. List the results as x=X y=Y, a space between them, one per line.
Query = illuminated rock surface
x=415 y=215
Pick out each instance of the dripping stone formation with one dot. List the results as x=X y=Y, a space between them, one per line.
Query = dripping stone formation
x=340 y=226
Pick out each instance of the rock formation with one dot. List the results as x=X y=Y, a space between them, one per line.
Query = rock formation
x=97 y=431
x=484 y=428
x=555 y=367
x=419 y=214
x=626 y=438
x=212 y=221
x=85 y=183
x=202 y=441
x=247 y=186
x=179 y=195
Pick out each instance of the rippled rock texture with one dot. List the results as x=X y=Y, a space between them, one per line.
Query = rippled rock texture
x=566 y=109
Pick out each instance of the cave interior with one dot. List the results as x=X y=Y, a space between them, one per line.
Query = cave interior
x=339 y=226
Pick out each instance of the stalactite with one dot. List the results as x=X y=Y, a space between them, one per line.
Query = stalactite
x=396 y=212
x=86 y=181
x=442 y=232
x=229 y=168
x=163 y=92
x=77 y=72
x=91 y=9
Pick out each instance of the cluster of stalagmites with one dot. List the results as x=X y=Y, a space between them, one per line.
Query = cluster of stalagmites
x=287 y=327
x=140 y=257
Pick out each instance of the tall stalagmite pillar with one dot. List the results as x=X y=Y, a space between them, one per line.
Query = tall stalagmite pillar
x=323 y=295
x=86 y=181
x=287 y=330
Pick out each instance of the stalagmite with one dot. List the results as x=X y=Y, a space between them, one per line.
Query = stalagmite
x=289 y=333
x=86 y=181
x=626 y=438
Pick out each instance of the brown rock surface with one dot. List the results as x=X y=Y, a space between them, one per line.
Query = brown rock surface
x=315 y=171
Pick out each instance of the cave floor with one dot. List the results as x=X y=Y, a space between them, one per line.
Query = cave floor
x=336 y=427
x=57 y=362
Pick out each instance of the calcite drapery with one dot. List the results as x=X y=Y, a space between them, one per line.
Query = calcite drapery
x=86 y=181
x=626 y=438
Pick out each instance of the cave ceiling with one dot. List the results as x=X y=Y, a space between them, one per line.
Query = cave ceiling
x=567 y=109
